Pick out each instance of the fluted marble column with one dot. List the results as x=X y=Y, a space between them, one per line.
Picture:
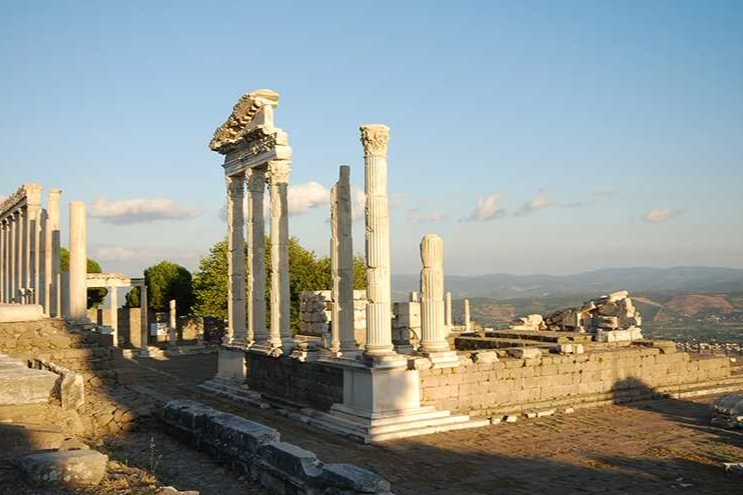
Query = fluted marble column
x=113 y=293
x=144 y=322
x=172 y=324
x=335 y=334
x=345 y=263
x=78 y=262
x=375 y=138
x=278 y=179
x=433 y=331
x=53 y=246
x=467 y=324
x=3 y=269
x=16 y=268
x=236 y=260
x=33 y=209
x=21 y=254
x=257 y=331
x=43 y=270
x=447 y=310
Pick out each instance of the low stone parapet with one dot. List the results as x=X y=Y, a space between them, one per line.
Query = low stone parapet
x=255 y=449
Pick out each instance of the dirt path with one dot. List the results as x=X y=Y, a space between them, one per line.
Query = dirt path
x=654 y=448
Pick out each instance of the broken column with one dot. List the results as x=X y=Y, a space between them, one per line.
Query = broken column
x=113 y=295
x=280 y=332
x=172 y=333
x=144 y=320
x=345 y=264
x=433 y=329
x=335 y=336
x=236 y=260
x=78 y=262
x=375 y=138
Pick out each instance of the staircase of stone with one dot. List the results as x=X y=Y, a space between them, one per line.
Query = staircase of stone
x=234 y=391
x=21 y=385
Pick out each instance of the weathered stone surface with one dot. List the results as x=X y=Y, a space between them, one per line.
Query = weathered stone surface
x=19 y=385
x=296 y=463
x=239 y=434
x=350 y=477
x=484 y=357
x=72 y=468
x=169 y=490
x=23 y=438
x=525 y=352
x=15 y=313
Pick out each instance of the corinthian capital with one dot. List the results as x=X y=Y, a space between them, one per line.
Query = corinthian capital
x=256 y=180
x=374 y=138
x=278 y=172
x=235 y=185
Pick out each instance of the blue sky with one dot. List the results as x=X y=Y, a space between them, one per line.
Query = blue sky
x=533 y=136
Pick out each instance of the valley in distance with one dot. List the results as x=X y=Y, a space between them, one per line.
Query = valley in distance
x=681 y=303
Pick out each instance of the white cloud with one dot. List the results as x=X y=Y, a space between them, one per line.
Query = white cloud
x=117 y=253
x=415 y=216
x=487 y=209
x=109 y=253
x=537 y=203
x=302 y=197
x=660 y=215
x=140 y=210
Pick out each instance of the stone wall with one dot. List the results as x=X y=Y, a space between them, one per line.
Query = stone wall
x=305 y=383
x=53 y=340
x=255 y=449
x=516 y=385
x=315 y=313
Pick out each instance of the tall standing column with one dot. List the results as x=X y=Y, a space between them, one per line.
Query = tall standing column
x=278 y=179
x=345 y=263
x=433 y=331
x=467 y=324
x=21 y=256
x=447 y=310
x=335 y=335
x=236 y=259
x=42 y=287
x=53 y=246
x=375 y=139
x=257 y=330
x=16 y=256
x=33 y=209
x=113 y=295
x=3 y=269
x=144 y=322
x=78 y=262
x=172 y=330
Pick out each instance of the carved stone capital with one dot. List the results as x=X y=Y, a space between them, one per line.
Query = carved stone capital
x=246 y=115
x=432 y=251
x=375 y=138
x=235 y=185
x=278 y=172
x=256 y=180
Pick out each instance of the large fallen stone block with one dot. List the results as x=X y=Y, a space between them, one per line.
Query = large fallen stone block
x=72 y=468
x=17 y=313
x=19 y=385
x=281 y=462
x=349 y=478
x=525 y=352
x=237 y=436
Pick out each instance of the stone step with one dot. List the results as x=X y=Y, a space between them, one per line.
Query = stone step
x=20 y=385
x=233 y=392
x=71 y=468
x=540 y=336
x=21 y=438
x=31 y=413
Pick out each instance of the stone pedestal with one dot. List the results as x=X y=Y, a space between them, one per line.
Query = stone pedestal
x=231 y=364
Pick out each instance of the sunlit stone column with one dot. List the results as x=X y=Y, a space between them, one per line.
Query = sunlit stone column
x=236 y=258
x=78 y=262
x=144 y=320
x=16 y=264
x=257 y=330
x=113 y=293
x=433 y=332
x=3 y=269
x=172 y=330
x=447 y=310
x=335 y=335
x=278 y=179
x=345 y=263
x=20 y=254
x=43 y=286
x=467 y=324
x=375 y=138
x=33 y=209
x=53 y=245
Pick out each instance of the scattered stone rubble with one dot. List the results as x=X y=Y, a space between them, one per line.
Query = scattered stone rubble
x=610 y=318
x=255 y=449
x=728 y=411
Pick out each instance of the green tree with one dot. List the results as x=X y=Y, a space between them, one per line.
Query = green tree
x=166 y=281
x=210 y=283
x=132 y=298
x=96 y=295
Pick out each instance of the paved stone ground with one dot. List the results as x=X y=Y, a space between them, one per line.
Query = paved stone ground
x=658 y=447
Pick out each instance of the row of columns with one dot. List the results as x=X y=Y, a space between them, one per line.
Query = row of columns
x=247 y=319
x=29 y=251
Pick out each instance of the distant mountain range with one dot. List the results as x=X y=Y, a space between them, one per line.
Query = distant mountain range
x=507 y=286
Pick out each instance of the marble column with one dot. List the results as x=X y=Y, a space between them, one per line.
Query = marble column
x=467 y=325
x=78 y=262
x=53 y=246
x=20 y=255
x=33 y=209
x=256 y=294
x=447 y=311
x=113 y=293
x=144 y=322
x=15 y=257
x=172 y=330
x=43 y=270
x=433 y=330
x=345 y=263
x=280 y=332
x=3 y=269
x=375 y=138
x=236 y=260
x=335 y=335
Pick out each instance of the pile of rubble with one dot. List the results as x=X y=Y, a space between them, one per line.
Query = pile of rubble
x=727 y=411
x=610 y=318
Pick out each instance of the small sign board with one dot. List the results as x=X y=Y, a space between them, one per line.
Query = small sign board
x=158 y=329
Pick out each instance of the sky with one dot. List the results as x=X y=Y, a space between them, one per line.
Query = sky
x=532 y=136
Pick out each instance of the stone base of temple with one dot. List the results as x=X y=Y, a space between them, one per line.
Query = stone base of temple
x=383 y=403
x=15 y=313
x=444 y=359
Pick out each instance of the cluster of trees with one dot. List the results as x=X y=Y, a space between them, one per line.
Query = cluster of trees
x=205 y=293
